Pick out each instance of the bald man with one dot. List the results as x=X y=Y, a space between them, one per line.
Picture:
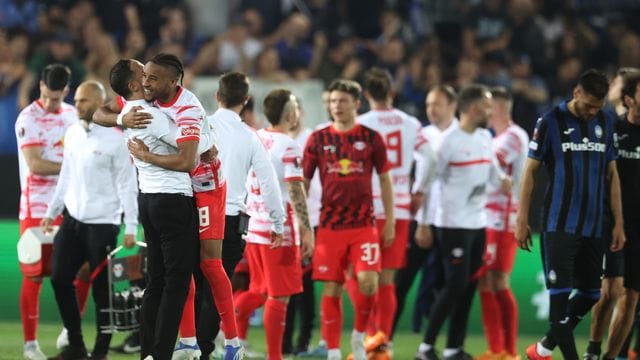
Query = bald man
x=97 y=183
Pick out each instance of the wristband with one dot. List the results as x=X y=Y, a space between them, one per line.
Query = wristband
x=119 y=120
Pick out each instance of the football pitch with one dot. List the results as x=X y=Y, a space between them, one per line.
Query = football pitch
x=404 y=346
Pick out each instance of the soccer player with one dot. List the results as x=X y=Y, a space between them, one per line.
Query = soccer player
x=346 y=153
x=499 y=307
x=96 y=169
x=440 y=104
x=40 y=130
x=404 y=140
x=622 y=277
x=275 y=268
x=168 y=216
x=575 y=142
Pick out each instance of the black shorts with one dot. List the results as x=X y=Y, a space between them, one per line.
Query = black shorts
x=632 y=255
x=613 y=261
x=571 y=261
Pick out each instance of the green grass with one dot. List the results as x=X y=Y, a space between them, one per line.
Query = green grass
x=404 y=346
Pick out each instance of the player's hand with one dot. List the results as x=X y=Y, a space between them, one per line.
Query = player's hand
x=424 y=236
x=45 y=224
x=506 y=184
x=523 y=236
x=389 y=232
x=618 y=238
x=128 y=241
x=307 y=241
x=135 y=119
x=276 y=240
x=416 y=202
x=137 y=148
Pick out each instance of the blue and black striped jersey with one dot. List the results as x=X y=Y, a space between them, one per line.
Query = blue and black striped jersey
x=576 y=154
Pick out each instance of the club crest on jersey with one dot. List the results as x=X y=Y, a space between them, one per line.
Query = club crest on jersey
x=345 y=167
x=359 y=145
x=598 y=131
x=329 y=148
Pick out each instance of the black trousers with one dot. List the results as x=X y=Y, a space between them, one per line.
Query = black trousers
x=171 y=230
x=74 y=244
x=207 y=317
x=461 y=255
x=427 y=261
x=305 y=304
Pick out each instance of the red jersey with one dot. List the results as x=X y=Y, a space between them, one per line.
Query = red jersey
x=345 y=161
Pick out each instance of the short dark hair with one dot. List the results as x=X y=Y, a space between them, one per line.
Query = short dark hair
x=501 y=92
x=56 y=76
x=274 y=105
x=470 y=95
x=120 y=76
x=447 y=90
x=247 y=107
x=594 y=83
x=378 y=83
x=233 y=88
x=169 y=61
x=349 y=86
x=629 y=86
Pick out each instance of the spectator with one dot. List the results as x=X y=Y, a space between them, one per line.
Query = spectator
x=340 y=60
x=23 y=14
x=526 y=35
x=135 y=44
x=294 y=50
x=467 y=71
x=13 y=56
x=268 y=66
x=60 y=50
x=530 y=94
x=487 y=30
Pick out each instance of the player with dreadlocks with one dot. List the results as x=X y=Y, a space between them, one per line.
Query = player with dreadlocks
x=161 y=83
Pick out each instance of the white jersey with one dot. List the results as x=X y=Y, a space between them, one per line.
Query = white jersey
x=403 y=138
x=466 y=165
x=286 y=157
x=37 y=127
x=434 y=135
x=510 y=148
x=158 y=136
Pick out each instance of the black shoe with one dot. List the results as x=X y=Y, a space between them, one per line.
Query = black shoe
x=460 y=355
x=131 y=344
x=72 y=353
x=427 y=355
x=98 y=357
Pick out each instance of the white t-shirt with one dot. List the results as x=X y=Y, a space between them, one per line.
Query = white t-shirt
x=510 y=148
x=466 y=165
x=286 y=157
x=404 y=139
x=37 y=127
x=158 y=136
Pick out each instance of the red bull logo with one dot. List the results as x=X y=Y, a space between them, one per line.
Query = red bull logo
x=346 y=167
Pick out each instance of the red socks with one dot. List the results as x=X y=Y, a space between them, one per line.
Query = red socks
x=492 y=321
x=82 y=293
x=509 y=309
x=222 y=294
x=188 y=321
x=384 y=319
x=331 y=320
x=362 y=310
x=275 y=316
x=245 y=304
x=29 y=303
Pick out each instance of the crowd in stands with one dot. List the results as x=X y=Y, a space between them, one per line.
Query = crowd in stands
x=536 y=48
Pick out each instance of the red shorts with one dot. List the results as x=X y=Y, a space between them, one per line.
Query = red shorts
x=275 y=272
x=394 y=256
x=211 y=212
x=500 y=251
x=337 y=249
x=33 y=222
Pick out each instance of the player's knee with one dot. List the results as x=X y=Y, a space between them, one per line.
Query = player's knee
x=332 y=289
x=387 y=276
x=283 y=299
x=629 y=300
x=500 y=281
x=368 y=282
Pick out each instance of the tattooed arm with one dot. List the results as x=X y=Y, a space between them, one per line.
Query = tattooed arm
x=298 y=198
